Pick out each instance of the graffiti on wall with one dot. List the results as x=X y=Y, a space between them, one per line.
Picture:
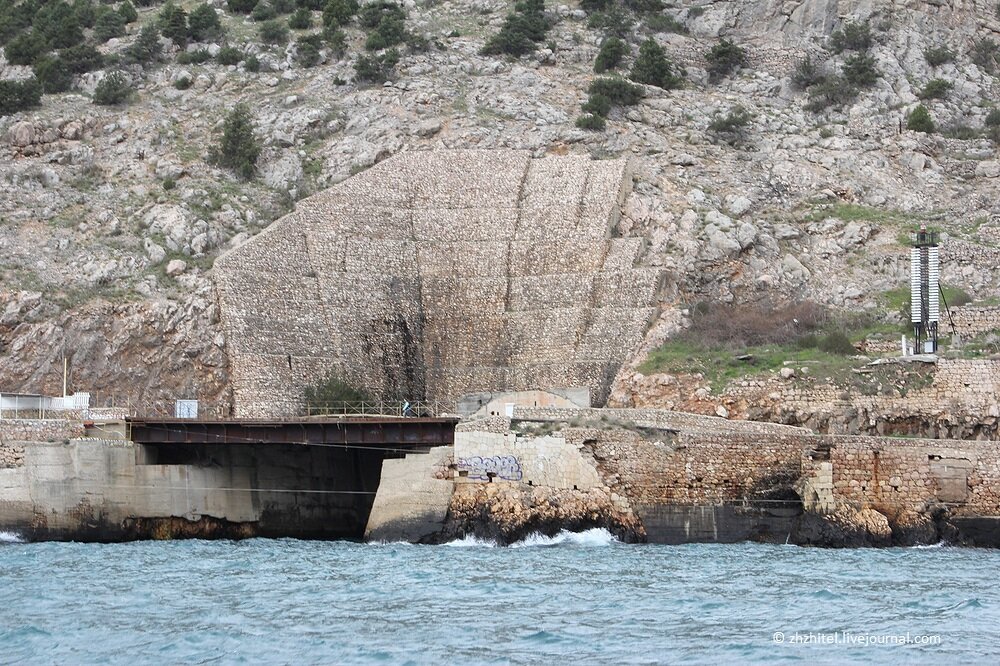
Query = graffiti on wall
x=506 y=468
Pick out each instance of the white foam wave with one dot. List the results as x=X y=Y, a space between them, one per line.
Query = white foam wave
x=939 y=544
x=597 y=536
x=10 y=537
x=470 y=541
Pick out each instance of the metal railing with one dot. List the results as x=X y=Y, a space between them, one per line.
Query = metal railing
x=379 y=408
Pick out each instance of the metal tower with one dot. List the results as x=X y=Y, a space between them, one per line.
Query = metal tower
x=924 y=289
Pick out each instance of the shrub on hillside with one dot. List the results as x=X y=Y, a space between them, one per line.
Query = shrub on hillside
x=57 y=23
x=301 y=19
x=936 y=89
x=263 y=11
x=331 y=393
x=377 y=67
x=664 y=23
x=986 y=54
x=597 y=105
x=521 y=31
x=831 y=91
x=386 y=22
x=731 y=127
x=146 y=48
x=196 y=57
x=307 y=50
x=854 y=36
x=993 y=118
x=273 y=32
x=614 y=21
x=616 y=89
x=806 y=73
x=173 y=24
x=613 y=50
x=19 y=96
x=85 y=13
x=109 y=25
x=336 y=40
x=338 y=13
x=652 y=67
x=722 y=325
x=860 y=71
x=52 y=74
x=229 y=55
x=241 y=6
x=127 y=12
x=591 y=122
x=938 y=55
x=113 y=89
x=919 y=120
x=82 y=58
x=25 y=49
x=836 y=343
x=238 y=150
x=204 y=24
x=724 y=58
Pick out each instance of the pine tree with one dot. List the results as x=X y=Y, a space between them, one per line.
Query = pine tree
x=652 y=67
x=239 y=149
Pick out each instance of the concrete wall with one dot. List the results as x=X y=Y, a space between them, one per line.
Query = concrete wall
x=112 y=489
x=480 y=405
x=433 y=275
x=413 y=497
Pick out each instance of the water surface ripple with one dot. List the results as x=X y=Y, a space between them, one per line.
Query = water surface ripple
x=580 y=597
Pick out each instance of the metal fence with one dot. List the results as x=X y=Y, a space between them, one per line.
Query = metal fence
x=380 y=408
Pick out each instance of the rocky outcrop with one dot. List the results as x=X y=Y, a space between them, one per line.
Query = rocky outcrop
x=509 y=512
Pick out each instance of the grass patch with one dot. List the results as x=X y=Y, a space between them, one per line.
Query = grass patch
x=856 y=213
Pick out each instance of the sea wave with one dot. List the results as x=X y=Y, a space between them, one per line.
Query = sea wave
x=597 y=536
x=470 y=541
x=10 y=537
x=939 y=544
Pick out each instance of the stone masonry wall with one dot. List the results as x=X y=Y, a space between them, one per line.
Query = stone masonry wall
x=39 y=430
x=437 y=274
x=973 y=321
x=652 y=418
x=11 y=455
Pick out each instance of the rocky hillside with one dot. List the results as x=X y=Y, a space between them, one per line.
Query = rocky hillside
x=759 y=173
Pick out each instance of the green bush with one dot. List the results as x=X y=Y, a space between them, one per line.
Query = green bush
x=613 y=50
x=854 y=36
x=521 y=31
x=112 y=89
x=183 y=82
x=301 y=19
x=108 y=26
x=338 y=13
x=19 y=95
x=591 y=6
x=336 y=40
x=263 y=11
x=616 y=89
x=936 y=89
x=85 y=13
x=376 y=68
x=204 y=24
x=724 y=58
x=644 y=6
x=732 y=126
x=597 y=105
x=311 y=5
x=806 y=73
x=993 y=118
x=127 y=12
x=251 y=63
x=614 y=21
x=239 y=148
x=241 y=6
x=919 y=120
x=82 y=58
x=938 y=55
x=591 y=122
x=307 y=50
x=57 y=23
x=860 y=71
x=330 y=393
x=664 y=23
x=196 y=57
x=229 y=55
x=986 y=54
x=53 y=74
x=146 y=48
x=374 y=12
x=172 y=23
x=25 y=49
x=836 y=343
x=273 y=32
x=652 y=67
x=831 y=91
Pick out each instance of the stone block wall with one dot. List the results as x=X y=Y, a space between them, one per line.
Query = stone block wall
x=652 y=418
x=40 y=430
x=973 y=321
x=11 y=455
x=437 y=274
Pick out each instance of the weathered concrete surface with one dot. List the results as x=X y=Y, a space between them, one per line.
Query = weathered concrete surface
x=436 y=274
x=108 y=490
x=413 y=497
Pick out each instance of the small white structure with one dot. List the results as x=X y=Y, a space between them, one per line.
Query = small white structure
x=186 y=409
x=33 y=405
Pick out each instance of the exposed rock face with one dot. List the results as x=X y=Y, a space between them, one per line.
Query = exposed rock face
x=509 y=512
x=437 y=274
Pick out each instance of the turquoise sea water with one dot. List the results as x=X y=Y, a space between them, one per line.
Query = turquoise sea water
x=581 y=598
